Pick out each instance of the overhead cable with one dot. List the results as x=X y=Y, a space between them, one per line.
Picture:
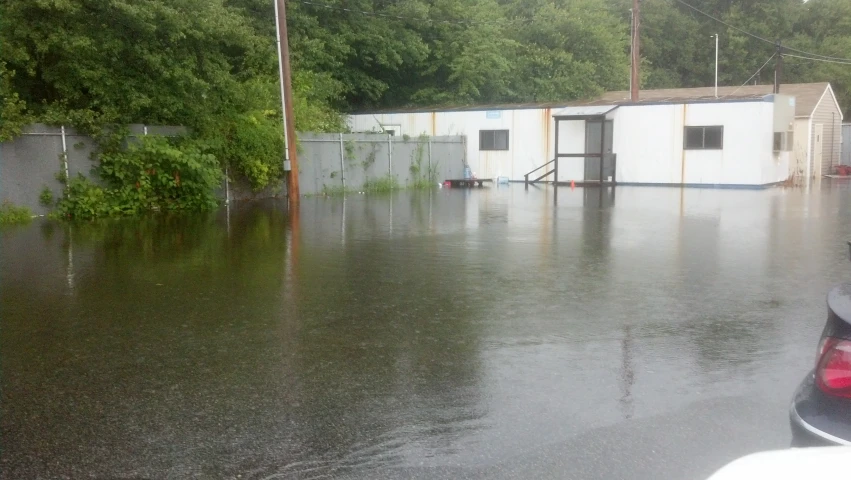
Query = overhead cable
x=752 y=76
x=817 y=59
x=763 y=39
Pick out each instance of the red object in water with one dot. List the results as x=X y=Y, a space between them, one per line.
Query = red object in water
x=843 y=170
x=447 y=183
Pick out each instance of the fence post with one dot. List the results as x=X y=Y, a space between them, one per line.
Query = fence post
x=390 y=154
x=65 y=158
x=342 y=163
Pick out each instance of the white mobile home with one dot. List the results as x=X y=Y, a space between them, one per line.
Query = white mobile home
x=747 y=136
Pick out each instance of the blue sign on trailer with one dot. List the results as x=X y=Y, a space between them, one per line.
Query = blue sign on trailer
x=493 y=114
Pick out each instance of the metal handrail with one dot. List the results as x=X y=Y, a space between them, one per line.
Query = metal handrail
x=544 y=175
x=535 y=170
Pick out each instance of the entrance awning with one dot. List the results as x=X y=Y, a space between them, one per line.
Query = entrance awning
x=583 y=112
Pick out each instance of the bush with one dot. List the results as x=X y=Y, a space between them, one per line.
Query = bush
x=252 y=145
x=155 y=174
x=11 y=214
x=46 y=197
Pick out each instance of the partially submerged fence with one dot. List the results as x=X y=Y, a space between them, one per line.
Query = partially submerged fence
x=43 y=154
x=338 y=162
x=328 y=162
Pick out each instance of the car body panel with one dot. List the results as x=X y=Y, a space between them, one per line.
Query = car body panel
x=792 y=464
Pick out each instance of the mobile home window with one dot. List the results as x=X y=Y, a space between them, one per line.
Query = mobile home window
x=704 y=138
x=493 y=139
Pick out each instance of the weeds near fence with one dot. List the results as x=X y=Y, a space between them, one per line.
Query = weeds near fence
x=11 y=214
x=383 y=184
x=335 y=191
x=370 y=158
x=422 y=176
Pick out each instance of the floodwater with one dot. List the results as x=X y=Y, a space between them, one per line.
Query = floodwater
x=635 y=333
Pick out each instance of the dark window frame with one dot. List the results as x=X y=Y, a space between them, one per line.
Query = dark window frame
x=488 y=140
x=703 y=144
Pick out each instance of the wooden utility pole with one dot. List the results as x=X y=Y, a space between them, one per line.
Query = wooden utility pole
x=290 y=153
x=635 y=51
x=778 y=68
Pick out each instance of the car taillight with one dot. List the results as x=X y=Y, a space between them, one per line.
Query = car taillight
x=833 y=373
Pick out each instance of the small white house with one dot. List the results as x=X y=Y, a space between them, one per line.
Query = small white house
x=745 y=137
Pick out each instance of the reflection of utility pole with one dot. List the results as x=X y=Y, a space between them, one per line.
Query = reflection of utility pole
x=635 y=79
x=290 y=154
x=627 y=375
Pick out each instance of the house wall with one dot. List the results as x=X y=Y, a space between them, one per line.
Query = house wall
x=800 y=164
x=829 y=115
x=648 y=141
x=531 y=135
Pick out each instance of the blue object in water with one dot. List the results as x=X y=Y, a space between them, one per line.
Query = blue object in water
x=468 y=174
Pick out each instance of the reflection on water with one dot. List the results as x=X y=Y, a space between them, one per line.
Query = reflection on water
x=450 y=327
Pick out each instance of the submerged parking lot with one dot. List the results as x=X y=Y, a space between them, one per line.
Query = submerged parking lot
x=629 y=332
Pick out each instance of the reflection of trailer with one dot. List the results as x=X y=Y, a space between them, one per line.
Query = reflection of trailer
x=467 y=182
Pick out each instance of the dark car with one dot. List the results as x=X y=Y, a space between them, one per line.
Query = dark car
x=821 y=409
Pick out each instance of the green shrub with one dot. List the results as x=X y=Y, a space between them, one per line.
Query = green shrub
x=11 y=214
x=252 y=145
x=45 y=198
x=154 y=174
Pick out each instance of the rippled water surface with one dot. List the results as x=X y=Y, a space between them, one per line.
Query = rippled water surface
x=497 y=333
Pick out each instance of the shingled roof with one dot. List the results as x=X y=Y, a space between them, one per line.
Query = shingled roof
x=807 y=95
x=807 y=98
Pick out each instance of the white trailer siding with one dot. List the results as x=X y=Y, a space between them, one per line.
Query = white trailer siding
x=648 y=141
x=531 y=135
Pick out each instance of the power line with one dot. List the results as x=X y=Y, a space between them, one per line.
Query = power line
x=752 y=76
x=753 y=35
x=817 y=59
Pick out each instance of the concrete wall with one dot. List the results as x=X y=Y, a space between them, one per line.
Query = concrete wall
x=530 y=144
x=330 y=162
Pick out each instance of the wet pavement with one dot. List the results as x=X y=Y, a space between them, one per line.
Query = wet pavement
x=636 y=333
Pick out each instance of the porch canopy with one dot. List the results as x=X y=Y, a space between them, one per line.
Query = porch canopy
x=571 y=140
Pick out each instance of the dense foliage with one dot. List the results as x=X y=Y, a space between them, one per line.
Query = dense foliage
x=152 y=174
x=211 y=65
x=11 y=214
